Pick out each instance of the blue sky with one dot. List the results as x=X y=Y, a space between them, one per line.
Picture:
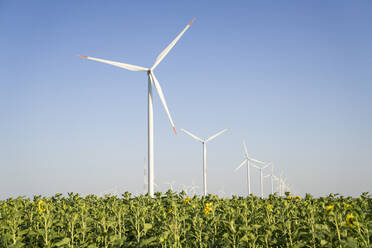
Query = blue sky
x=293 y=78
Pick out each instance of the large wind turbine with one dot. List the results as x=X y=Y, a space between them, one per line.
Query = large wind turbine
x=248 y=160
x=204 y=142
x=151 y=80
x=261 y=175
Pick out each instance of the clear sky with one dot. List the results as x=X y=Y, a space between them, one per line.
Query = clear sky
x=293 y=78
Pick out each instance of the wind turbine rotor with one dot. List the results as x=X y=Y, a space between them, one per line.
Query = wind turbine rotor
x=215 y=135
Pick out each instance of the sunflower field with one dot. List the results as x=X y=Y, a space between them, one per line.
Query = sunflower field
x=176 y=220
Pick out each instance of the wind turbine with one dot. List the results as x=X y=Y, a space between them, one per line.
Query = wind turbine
x=204 y=142
x=247 y=160
x=271 y=175
x=278 y=186
x=281 y=183
x=151 y=80
x=261 y=175
x=285 y=186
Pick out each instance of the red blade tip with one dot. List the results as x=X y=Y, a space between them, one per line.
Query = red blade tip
x=175 y=131
x=191 y=21
x=85 y=57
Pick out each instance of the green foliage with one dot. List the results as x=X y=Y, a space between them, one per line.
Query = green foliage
x=175 y=220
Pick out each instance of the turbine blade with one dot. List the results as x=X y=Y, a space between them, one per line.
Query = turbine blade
x=162 y=98
x=217 y=134
x=118 y=64
x=255 y=166
x=192 y=135
x=242 y=163
x=170 y=46
x=256 y=161
x=245 y=148
x=267 y=164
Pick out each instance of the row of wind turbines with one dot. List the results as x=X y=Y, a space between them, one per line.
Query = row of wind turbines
x=152 y=81
x=260 y=165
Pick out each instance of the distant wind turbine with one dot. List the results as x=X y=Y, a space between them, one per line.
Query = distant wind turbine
x=271 y=175
x=247 y=160
x=151 y=80
x=261 y=175
x=272 y=179
x=204 y=142
x=285 y=187
x=281 y=184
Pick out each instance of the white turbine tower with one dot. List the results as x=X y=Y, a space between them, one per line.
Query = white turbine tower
x=261 y=175
x=204 y=142
x=151 y=80
x=247 y=160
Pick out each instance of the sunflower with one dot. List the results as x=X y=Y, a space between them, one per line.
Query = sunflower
x=270 y=207
x=349 y=220
x=187 y=199
x=289 y=197
x=207 y=208
x=41 y=206
x=170 y=211
x=330 y=208
x=297 y=197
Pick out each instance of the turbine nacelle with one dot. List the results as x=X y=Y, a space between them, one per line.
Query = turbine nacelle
x=203 y=141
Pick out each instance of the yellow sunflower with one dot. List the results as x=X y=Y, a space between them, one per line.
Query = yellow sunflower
x=297 y=197
x=330 y=208
x=41 y=206
x=207 y=208
x=187 y=199
x=270 y=207
x=349 y=220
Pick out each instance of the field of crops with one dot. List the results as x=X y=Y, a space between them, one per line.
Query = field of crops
x=175 y=220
